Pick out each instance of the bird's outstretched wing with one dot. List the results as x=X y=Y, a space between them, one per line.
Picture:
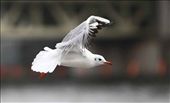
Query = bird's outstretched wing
x=80 y=36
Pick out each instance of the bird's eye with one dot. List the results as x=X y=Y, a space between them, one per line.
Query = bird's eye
x=95 y=59
x=100 y=59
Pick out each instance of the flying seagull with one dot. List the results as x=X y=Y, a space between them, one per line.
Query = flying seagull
x=72 y=51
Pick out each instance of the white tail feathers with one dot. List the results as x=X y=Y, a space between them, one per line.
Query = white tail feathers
x=46 y=61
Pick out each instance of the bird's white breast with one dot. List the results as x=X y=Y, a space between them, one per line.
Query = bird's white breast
x=77 y=60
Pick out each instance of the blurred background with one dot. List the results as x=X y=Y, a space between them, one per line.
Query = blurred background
x=138 y=45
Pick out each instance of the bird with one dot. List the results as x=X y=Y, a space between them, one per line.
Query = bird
x=72 y=51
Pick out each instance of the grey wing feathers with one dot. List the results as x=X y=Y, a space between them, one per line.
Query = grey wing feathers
x=82 y=34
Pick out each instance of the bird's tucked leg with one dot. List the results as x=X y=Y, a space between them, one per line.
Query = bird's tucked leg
x=42 y=75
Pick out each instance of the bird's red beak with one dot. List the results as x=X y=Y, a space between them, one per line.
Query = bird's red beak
x=108 y=63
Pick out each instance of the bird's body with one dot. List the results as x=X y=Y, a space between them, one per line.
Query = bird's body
x=78 y=60
x=72 y=51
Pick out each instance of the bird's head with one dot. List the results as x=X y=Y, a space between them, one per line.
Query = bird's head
x=100 y=60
